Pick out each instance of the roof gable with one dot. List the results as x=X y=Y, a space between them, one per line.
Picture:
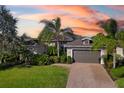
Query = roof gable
x=86 y=41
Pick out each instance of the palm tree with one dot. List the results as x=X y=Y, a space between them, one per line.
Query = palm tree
x=109 y=41
x=102 y=41
x=53 y=30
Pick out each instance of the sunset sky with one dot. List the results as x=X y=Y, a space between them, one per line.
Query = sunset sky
x=82 y=19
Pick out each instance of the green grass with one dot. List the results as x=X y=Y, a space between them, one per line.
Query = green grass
x=34 y=77
x=120 y=83
x=118 y=74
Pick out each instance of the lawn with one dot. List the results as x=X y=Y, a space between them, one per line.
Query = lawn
x=118 y=74
x=34 y=77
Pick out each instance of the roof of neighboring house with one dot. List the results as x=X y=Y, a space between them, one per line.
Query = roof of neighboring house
x=62 y=39
x=78 y=42
x=37 y=49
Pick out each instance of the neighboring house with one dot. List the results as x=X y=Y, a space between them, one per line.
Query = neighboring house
x=34 y=47
x=37 y=49
x=62 y=41
x=81 y=51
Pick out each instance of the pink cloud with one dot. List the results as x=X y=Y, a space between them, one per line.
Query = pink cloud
x=66 y=20
x=86 y=31
x=80 y=18
x=76 y=10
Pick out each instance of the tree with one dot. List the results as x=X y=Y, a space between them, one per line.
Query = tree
x=111 y=27
x=109 y=41
x=10 y=44
x=7 y=30
x=7 y=26
x=52 y=31
x=120 y=38
x=101 y=41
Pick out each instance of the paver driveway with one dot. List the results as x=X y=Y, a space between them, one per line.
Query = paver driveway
x=89 y=75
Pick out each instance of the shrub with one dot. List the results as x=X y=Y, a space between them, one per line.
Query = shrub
x=52 y=51
x=117 y=72
x=69 y=60
x=120 y=83
x=35 y=60
x=54 y=59
x=119 y=60
x=41 y=59
x=108 y=59
x=63 y=59
x=8 y=58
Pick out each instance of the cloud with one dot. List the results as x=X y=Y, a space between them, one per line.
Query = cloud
x=76 y=10
x=86 y=32
x=116 y=7
x=67 y=21
x=80 y=18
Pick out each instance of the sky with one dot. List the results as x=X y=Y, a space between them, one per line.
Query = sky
x=81 y=18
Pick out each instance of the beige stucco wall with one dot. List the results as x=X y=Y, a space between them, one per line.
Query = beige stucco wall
x=103 y=52
x=120 y=51
x=69 y=52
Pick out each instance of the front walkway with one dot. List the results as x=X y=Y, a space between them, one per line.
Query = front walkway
x=89 y=75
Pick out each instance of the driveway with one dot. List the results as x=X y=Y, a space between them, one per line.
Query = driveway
x=89 y=75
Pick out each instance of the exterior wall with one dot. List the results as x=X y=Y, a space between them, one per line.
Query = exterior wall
x=120 y=51
x=69 y=52
x=103 y=52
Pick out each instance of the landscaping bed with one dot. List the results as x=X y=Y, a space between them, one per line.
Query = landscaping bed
x=118 y=75
x=34 y=77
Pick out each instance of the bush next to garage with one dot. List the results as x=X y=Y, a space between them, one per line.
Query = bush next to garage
x=45 y=59
x=41 y=60
x=54 y=59
x=69 y=60
x=63 y=59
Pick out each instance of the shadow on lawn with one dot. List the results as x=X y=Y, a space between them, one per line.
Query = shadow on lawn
x=10 y=66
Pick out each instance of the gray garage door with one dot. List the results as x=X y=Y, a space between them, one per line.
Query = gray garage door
x=86 y=56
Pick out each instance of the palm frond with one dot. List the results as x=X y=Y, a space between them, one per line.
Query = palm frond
x=57 y=23
x=48 y=23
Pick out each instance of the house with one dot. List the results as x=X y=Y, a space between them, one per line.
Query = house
x=81 y=51
x=61 y=39
x=37 y=48
x=33 y=46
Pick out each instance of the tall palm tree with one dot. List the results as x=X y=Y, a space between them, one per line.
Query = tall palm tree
x=55 y=31
x=109 y=41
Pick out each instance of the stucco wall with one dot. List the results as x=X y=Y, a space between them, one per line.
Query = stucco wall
x=69 y=52
x=103 y=52
x=120 y=51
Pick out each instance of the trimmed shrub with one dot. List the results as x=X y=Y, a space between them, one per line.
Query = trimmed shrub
x=108 y=59
x=54 y=59
x=117 y=72
x=69 y=60
x=63 y=59
x=41 y=59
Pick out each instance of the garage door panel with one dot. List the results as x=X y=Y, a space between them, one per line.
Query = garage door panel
x=86 y=56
